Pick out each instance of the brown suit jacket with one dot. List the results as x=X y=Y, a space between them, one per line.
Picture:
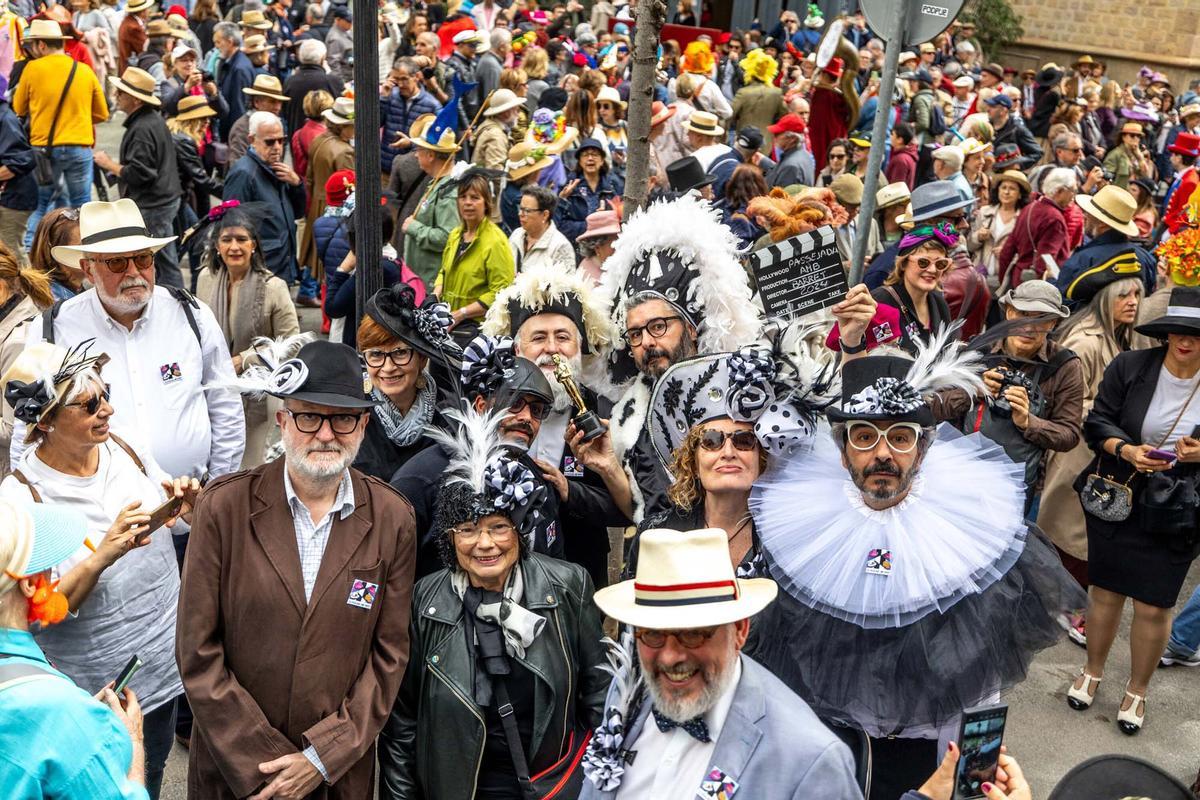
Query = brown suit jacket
x=268 y=674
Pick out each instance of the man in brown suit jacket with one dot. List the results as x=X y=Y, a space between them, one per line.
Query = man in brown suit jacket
x=294 y=607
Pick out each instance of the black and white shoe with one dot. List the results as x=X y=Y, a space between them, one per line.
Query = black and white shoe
x=1170 y=659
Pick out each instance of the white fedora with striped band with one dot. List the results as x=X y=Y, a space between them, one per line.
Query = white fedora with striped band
x=106 y=228
x=685 y=580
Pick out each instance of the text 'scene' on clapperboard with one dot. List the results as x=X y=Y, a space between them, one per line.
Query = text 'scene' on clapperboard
x=800 y=275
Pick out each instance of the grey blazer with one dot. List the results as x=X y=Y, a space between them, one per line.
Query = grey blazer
x=772 y=744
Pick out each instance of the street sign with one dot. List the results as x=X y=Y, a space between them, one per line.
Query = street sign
x=925 y=19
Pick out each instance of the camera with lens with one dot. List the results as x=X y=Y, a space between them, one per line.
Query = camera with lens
x=1010 y=377
x=207 y=77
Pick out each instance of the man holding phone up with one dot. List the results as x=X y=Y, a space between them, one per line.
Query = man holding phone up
x=293 y=635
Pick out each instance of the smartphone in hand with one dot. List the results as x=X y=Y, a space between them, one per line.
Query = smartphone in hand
x=979 y=741
x=160 y=515
x=1163 y=455
x=126 y=675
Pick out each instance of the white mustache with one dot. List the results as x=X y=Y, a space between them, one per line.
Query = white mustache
x=133 y=283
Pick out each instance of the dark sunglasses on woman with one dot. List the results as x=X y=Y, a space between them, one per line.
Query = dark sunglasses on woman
x=712 y=439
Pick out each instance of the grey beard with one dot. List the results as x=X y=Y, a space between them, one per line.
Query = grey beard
x=903 y=484
x=681 y=710
x=297 y=458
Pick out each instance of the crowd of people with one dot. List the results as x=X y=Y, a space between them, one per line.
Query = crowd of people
x=566 y=474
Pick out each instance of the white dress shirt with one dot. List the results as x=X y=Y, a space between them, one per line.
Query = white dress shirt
x=549 y=444
x=670 y=766
x=157 y=375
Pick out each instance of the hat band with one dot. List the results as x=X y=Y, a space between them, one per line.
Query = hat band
x=1183 y=311
x=702 y=128
x=949 y=204
x=683 y=594
x=1108 y=214
x=114 y=233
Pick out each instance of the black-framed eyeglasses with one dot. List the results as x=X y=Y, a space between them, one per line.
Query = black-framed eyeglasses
x=538 y=409
x=690 y=638
x=401 y=356
x=712 y=439
x=118 y=264
x=311 y=422
x=92 y=404
x=655 y=327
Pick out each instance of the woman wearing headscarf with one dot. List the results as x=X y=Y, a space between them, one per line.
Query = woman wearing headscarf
x=249 y=303
x=123 y=585
x=499 y=627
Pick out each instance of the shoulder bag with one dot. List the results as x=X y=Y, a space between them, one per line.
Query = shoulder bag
x=563 y=778
x=43 y=162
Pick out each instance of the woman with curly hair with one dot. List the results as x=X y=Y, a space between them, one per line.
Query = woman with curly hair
x=249 y=302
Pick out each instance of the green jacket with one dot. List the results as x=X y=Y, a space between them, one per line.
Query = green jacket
x=483 y=270
x=432 y=222
x=1119 y=162
x=432 y=745
x=759 y=105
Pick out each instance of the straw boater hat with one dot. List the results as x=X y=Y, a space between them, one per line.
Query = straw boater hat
x=524 y=158
x=255 y=19
x=256 y=44
x=46 y=30
x=266 y=86
x=1132 y=127
x=158 y=27
x=138 y=5
x=447 y=142
x=1113 y=206
x=178 y=23
x=136 y=83
x=1014 y=175
x=893 y=194
x=193 y=106
x=1083 y=60
x=685 y=580
x=341 y=113
x=109 y=228
x=502 y=100
x=704 y=123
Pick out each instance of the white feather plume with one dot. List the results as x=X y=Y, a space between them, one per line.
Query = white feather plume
x=623 y=667
x=474 y=442
x=255 y=377
x=945 y=363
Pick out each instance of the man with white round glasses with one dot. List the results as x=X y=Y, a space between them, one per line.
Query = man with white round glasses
x=915 y=588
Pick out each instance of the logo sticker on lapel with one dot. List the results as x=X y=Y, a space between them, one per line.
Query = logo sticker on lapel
x=717 y=786
x=170 y=372
x=362 y=594
x=551 y=534
x=572 y=468
x=879 y=562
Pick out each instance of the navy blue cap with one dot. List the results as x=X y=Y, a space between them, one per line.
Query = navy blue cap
x=590 y=144
x=1000 y=100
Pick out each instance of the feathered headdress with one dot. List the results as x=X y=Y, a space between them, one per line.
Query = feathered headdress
x=41 y=377
x=482 y=478
x=679 y=251
x=895 y=388
x=550 y=290
x=604 y=761
x=274 y=370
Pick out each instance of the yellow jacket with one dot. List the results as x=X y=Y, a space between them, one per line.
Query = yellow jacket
x=36 y=97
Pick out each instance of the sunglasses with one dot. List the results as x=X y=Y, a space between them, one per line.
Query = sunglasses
x=92 y=404
x=274 y=141
x=939 y=264
x=118 y=264
x=713 y=440
x=690 y=638
x=538 y=409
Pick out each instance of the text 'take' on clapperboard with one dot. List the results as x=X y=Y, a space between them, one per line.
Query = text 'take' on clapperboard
x=800 y=275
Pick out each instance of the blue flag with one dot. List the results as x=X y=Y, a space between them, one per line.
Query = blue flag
x=447 y=118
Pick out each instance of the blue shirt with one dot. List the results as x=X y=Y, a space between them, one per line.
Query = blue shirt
x=56 y=741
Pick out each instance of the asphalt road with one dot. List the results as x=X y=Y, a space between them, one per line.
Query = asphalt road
x=1046 y=736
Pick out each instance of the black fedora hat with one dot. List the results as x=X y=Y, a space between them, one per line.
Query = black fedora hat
x=1049 y=76
x=1114 y=777
x=422 y=327
x=1183 y=315
x=685 y=174
x=877 y=388
x=326 y=373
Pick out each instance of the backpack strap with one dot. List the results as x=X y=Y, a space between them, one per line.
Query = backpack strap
x=33 y=493
x=121 y=443
x=189 y=303
x=13 y=672
x=48 y=317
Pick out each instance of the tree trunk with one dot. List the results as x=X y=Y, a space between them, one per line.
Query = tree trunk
x=650 y=16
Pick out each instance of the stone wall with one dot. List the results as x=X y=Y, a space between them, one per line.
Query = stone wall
x=1162 y=33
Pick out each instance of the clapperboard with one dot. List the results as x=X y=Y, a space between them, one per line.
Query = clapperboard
x=800 y=275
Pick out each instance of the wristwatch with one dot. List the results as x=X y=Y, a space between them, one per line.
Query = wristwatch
x=1117 y=450
x=852 y=349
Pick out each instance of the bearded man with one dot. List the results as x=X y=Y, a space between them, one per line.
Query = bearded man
x=297 y=587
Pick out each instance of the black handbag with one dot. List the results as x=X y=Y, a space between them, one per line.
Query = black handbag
x=1168 y=505
x=563 y=778
x=43 y=161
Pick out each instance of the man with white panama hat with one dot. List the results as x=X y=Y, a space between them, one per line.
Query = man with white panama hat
x=490 y=140
x=164 y=346
x=706 y=138
x=55 y=739
x=721 y=722
x=147 y=172
x=265 y=94
x=37 y=97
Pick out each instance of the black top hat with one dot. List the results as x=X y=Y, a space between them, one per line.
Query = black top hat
x=423 y=327
x=1114 y=777
x=1183 y=315
x=877 y=388
x=566 y=304
x=685 y=174
x=553 y=98
x=326 y=373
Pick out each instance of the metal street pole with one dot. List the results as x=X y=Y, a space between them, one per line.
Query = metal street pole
x=368 y=188
x=883 y=108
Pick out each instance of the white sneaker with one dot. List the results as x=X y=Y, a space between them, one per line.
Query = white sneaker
x=1171 y=658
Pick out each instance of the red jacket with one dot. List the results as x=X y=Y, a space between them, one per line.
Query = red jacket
x=1040 y=230
x=902 y=165
x=826 y=121
x=1176 y=216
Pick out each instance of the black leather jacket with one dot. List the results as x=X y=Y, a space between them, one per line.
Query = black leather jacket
x=432 y=744
x=194 y=179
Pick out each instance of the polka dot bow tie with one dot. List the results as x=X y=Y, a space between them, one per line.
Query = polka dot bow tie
x=696 y=726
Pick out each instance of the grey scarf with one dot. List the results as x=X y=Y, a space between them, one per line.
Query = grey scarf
x=241 y=328
x=520 y=626
x=404 y=429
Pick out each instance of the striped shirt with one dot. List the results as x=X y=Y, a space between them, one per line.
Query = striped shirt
x=311 y=537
